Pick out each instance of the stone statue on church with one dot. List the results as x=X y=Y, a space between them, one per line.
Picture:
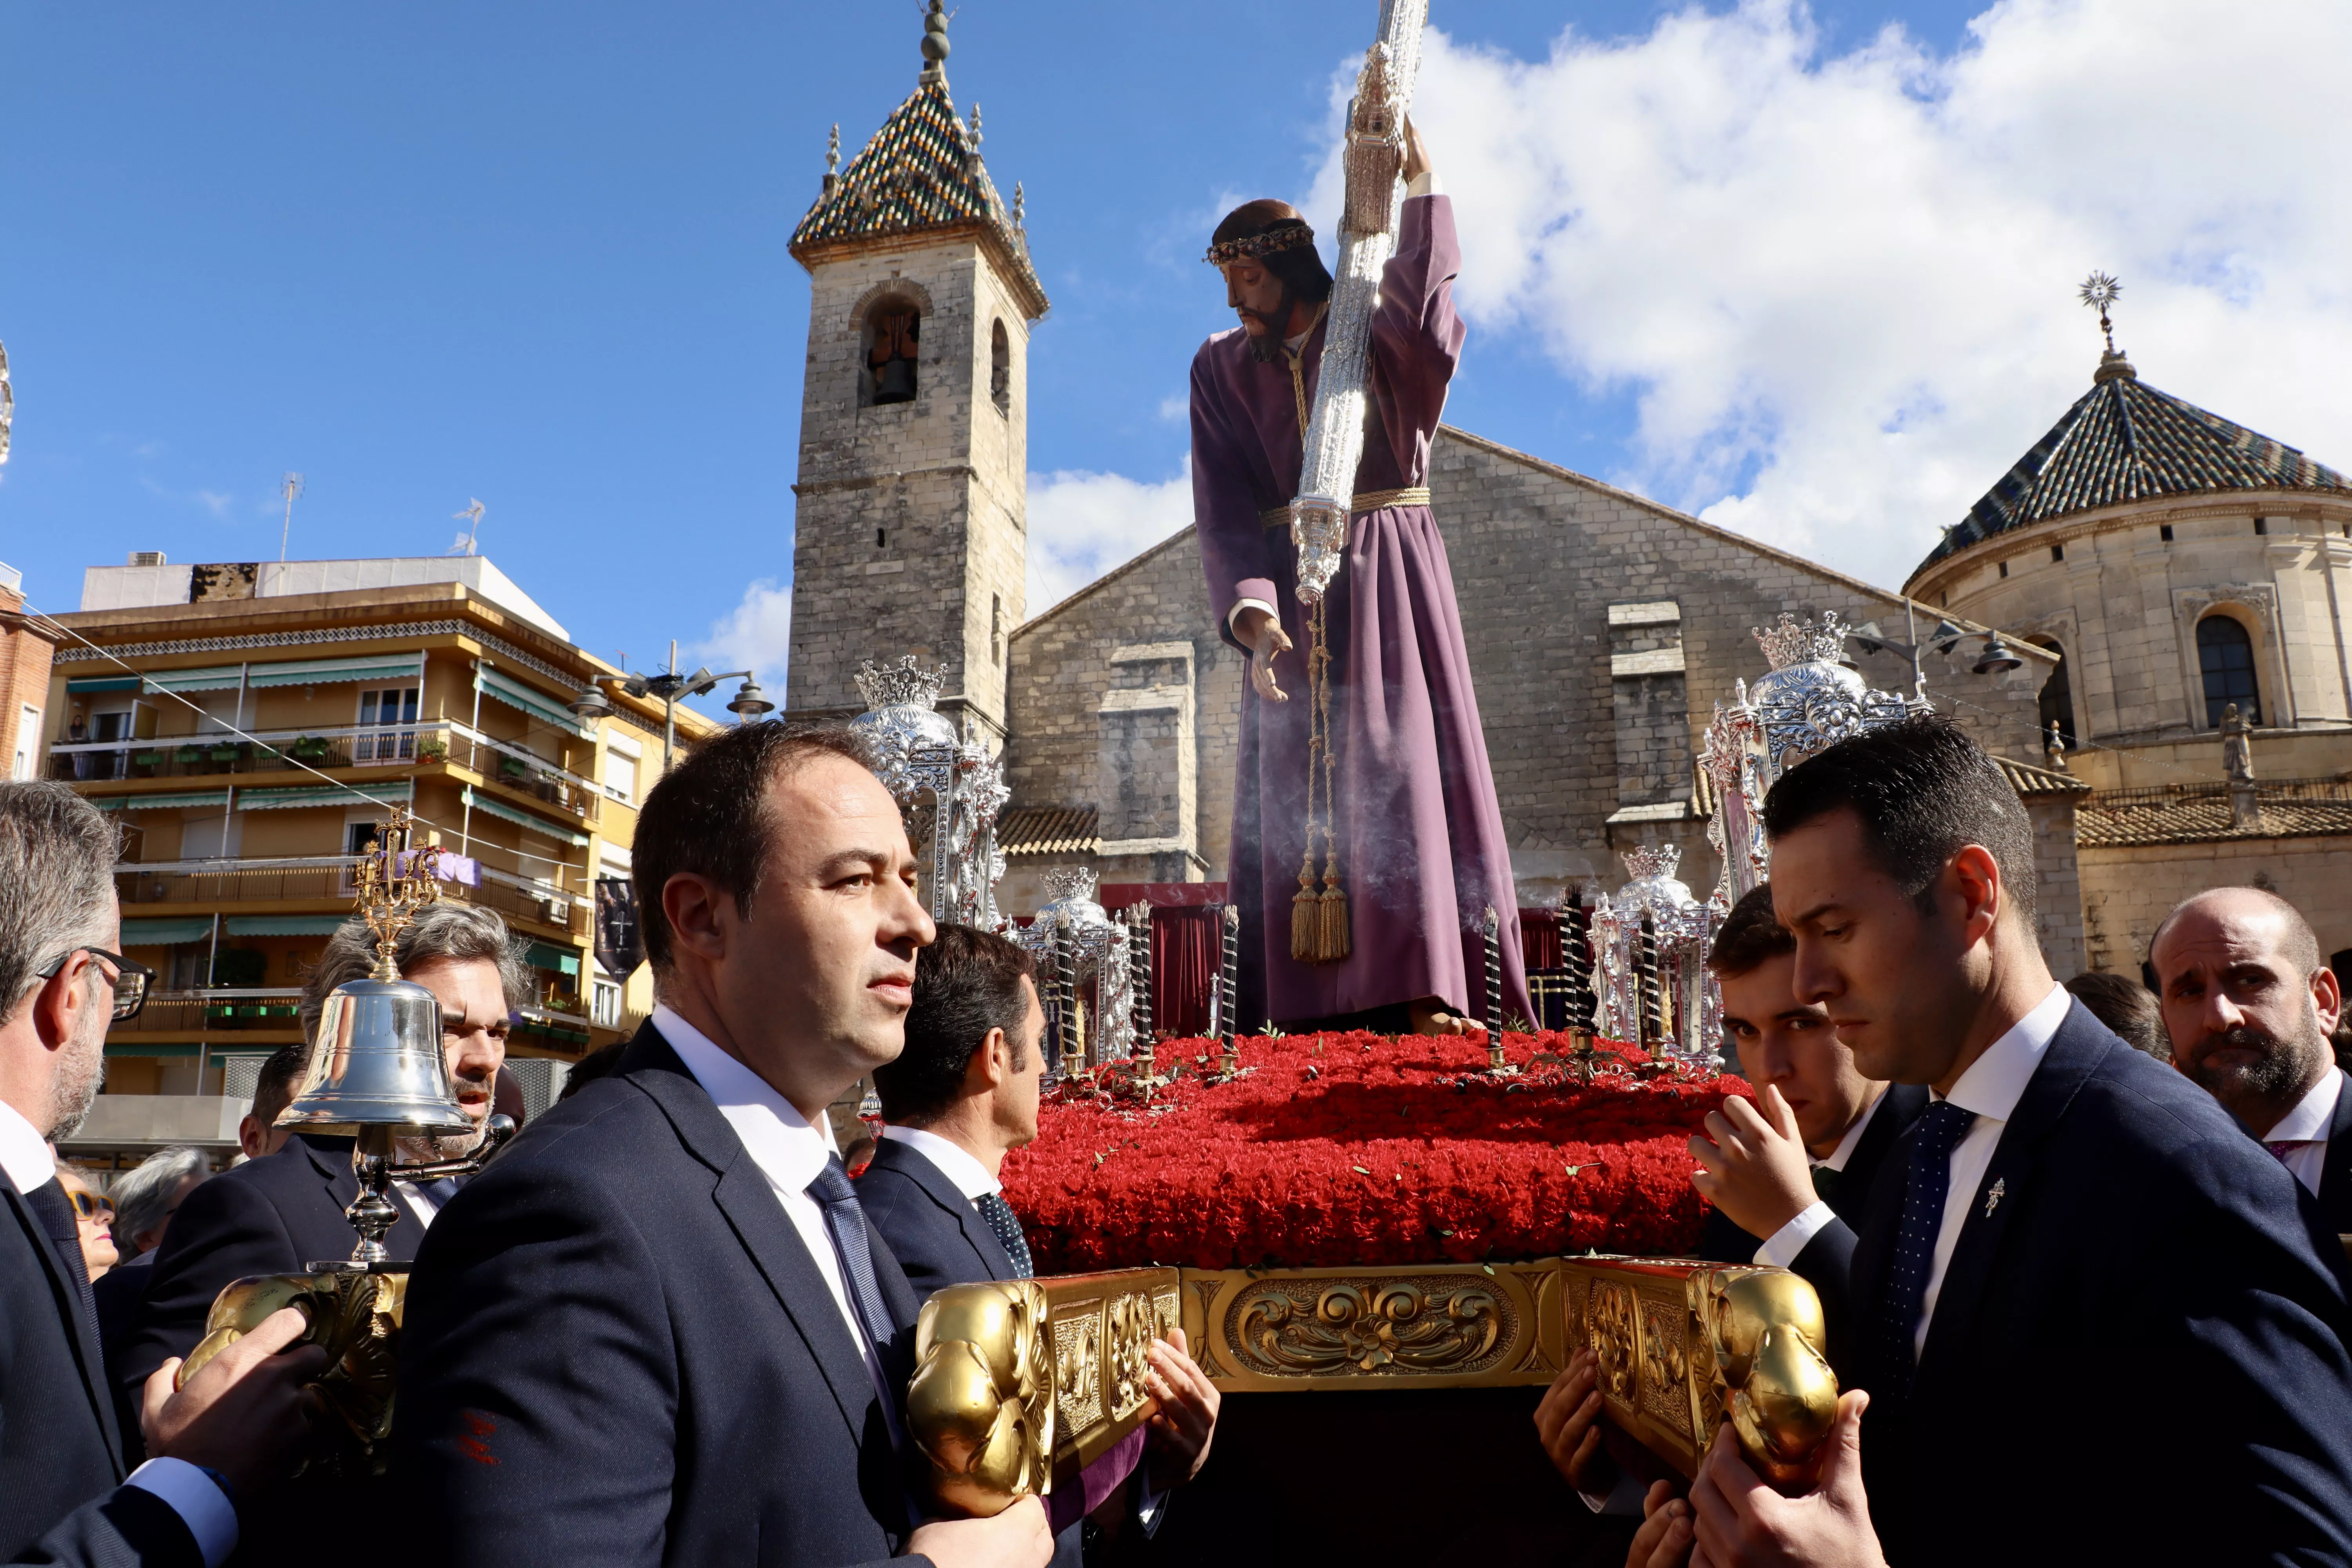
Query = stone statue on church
x=2237 y=747
x=1404 y=803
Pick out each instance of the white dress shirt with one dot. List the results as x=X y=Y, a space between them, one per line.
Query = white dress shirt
x=1781 y=1248
x=968 y=1175
x=201 y=1504
x=790 y=1153
x=2307 y=1124
x=1992 y=1087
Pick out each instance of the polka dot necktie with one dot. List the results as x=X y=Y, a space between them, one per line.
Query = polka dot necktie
x=1925 y=1188
x=1007 y=1226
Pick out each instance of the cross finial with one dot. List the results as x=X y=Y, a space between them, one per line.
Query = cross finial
x=935 y=42
x=2099 y=291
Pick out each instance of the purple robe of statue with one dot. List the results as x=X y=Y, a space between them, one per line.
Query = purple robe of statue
x=1420 y=837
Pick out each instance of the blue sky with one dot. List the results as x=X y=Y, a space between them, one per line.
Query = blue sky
x=536 y=253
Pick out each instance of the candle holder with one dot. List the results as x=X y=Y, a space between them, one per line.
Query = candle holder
x=1229 y=1060
x=1139 y=959
x=1493 y=930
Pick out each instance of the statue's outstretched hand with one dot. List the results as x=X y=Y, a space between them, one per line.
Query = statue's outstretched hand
x=1266 y=640
x=1416 y=152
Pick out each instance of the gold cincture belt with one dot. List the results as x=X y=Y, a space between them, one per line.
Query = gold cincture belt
x=1362 y=502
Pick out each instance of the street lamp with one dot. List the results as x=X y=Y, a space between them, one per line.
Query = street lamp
x=667 y=687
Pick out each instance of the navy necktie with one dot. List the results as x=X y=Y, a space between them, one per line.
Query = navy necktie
x=1925 y=1187
x=55 y=1210
x=1007 y=1226
x=845 y=1221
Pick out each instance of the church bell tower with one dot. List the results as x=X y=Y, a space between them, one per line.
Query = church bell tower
x=910 y=534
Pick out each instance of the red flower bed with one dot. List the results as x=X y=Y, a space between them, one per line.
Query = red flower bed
x=1362 y=1149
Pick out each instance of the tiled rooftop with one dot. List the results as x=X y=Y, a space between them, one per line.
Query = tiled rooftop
x=2193 y=813
x=1048 y=830
x=2123 y=441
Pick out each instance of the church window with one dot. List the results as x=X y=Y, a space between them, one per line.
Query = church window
x=2164 y=532
x=2004 y=568
x=1000 y=369
x=891 y=343
x=2225 y=655
x=2057 y=553
x=881 y=539
x=2057 y=694
x=2262 y=526
x=995 y=625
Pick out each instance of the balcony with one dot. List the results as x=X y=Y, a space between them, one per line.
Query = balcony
x=281 y=751
x=325 y=879
x=219 y=1010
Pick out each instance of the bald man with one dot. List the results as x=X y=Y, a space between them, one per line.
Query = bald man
x=2250 y=1007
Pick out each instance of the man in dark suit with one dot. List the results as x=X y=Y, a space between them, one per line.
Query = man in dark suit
x=961 y=1095
x=2078 y=1238
x=282 y=1211
x=221 y=1441
x=659 y=1329
x=1789 y=1182
x=2251 y=1006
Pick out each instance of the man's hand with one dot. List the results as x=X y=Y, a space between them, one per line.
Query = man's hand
x=1017 y=1538
x=1416 y=154
x=1665 y=1539
x=1187 y=1418
x=1757 y=1169
x=247 y=1414
x=1743 y=1523
x=1568 y=1422
x=1265 y=638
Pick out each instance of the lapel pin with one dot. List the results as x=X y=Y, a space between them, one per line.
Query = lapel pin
x=1993 y=1197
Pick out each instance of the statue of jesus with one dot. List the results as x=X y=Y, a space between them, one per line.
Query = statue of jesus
x=1412 y=813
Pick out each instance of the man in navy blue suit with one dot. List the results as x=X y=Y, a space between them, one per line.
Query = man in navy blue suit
x=961 y=1095
x=2092 y=1321
x=1790 y=1175
x=2251 y=1006
x=659 y=1328
x=222 y=1441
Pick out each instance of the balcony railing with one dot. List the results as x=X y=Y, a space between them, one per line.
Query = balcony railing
x=222 y=1008
x=289 y=751
x=322 y=877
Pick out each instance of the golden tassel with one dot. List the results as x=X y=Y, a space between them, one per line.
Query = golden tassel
x=1306 y=917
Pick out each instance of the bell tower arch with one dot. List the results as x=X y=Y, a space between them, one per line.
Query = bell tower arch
x=910 y=514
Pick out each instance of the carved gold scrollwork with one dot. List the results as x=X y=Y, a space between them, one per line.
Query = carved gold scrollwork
x=1611 y=1322
x=1666 y=1363
x=1078 y=1369
x=1131 y=1322
x=1368 y=1327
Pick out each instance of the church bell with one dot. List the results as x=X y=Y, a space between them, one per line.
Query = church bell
x=377 y=1062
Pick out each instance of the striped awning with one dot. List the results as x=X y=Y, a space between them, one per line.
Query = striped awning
x=390 y=792
x=219 y=678
x=166 y=932
x=335 y=671
x=500 y=809
x=525 y=700
x=284 y=925
x=194 y=797
x=542 y=955
x=75 y=687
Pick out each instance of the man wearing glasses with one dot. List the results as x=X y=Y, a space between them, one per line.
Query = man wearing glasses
x=223 y=1441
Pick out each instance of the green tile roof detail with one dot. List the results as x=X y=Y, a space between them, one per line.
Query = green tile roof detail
x=2126 y=441
x=921 y=171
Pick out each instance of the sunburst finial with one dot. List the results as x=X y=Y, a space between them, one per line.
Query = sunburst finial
x=2099 y=291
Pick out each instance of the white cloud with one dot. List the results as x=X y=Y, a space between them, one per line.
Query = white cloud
x=756 y=634
x=1840 y=288
x=1082 y=524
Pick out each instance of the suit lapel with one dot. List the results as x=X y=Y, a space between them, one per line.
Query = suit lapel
x=745 y=1196
x=2075 y=1052
x=66 y=1296
x=2335 y=1173
x=911 y=1163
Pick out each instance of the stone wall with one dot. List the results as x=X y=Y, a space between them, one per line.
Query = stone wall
x=2127 y=890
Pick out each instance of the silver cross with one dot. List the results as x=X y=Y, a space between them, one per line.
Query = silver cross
x=1999 y=1190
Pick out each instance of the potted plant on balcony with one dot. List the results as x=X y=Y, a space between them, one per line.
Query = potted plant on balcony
x=432 y=748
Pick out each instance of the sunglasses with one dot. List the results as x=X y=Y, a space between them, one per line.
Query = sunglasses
x=90 y=1205
x=131 y=979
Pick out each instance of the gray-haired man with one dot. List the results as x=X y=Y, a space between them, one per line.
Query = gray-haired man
x=274 y=1215
x=64 y=1494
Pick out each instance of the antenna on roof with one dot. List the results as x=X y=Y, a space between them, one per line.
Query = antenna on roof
x=472 y=518
x=290 y=487
x=2099 y=291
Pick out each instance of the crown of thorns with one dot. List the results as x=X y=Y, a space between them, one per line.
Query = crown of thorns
x=1250 y=247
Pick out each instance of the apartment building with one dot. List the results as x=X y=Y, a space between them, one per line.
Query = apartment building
x=251 y=723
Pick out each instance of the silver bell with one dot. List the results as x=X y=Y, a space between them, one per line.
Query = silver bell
x=377 y=1062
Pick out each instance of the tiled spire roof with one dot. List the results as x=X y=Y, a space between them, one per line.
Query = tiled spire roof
x=921 y=171
x=2123 y=441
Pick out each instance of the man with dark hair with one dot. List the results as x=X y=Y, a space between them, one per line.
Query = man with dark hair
x=2251 y=1008
x=659 y=1328
x=1789 y=1174
x=2071 y=1226
x=961 y=1095
x=257 y=1132
x=2126 y=1005
x=66 y=1495
x=1405 y=832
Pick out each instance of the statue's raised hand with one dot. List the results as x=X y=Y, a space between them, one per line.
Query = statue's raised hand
x=1266 y=637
